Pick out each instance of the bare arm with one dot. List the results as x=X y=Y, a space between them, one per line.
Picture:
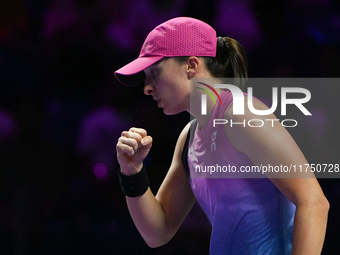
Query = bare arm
x=275 y=146
x=156 y=218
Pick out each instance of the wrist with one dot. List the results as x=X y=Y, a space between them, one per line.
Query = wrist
x=128 y=171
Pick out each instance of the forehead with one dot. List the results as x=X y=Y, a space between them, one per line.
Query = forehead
x=162 y=63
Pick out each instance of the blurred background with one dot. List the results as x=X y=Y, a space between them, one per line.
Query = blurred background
x=62 y=110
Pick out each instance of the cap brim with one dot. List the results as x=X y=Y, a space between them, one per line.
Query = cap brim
x=132 y=74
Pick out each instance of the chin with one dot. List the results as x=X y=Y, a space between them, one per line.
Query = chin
x=171 y=111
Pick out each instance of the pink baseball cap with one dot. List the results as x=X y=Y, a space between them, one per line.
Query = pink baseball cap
x=176 y=37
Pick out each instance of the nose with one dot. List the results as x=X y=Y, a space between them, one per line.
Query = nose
x=148 y=88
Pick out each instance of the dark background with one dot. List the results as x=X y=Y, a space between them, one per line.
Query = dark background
x=62 y=110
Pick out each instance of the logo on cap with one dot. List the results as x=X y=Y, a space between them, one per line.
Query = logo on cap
x=146 y=44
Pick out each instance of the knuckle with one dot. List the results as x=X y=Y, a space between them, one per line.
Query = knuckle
x=139 y=131
x=134 y=143
x=118 y=148
x=121 y=140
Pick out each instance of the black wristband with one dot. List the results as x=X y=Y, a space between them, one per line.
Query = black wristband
x=134 y=185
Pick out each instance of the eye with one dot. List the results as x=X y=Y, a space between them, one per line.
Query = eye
x=153 y=73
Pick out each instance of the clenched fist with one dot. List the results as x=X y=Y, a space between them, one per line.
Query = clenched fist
x=132 y=148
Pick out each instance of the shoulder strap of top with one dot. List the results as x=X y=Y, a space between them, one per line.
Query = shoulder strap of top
x=190 y=135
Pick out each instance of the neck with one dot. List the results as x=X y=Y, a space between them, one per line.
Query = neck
x=196 y=106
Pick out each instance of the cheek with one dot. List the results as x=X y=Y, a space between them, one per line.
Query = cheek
x=180 y=84
x=183 y=90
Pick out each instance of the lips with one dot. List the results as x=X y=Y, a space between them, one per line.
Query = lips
x=158 y=101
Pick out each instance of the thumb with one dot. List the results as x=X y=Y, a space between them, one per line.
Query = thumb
x=147 y=142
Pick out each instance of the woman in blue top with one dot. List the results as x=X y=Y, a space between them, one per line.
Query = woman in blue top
x=174 y=53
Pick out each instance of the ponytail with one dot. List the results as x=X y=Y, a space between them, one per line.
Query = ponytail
x=230 y=61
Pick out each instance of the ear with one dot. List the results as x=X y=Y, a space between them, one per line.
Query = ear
x=192 y=65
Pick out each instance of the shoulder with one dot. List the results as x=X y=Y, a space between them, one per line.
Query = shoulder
x=182 y=137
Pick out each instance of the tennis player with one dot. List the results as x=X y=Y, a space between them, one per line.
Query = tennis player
x=248 y=215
